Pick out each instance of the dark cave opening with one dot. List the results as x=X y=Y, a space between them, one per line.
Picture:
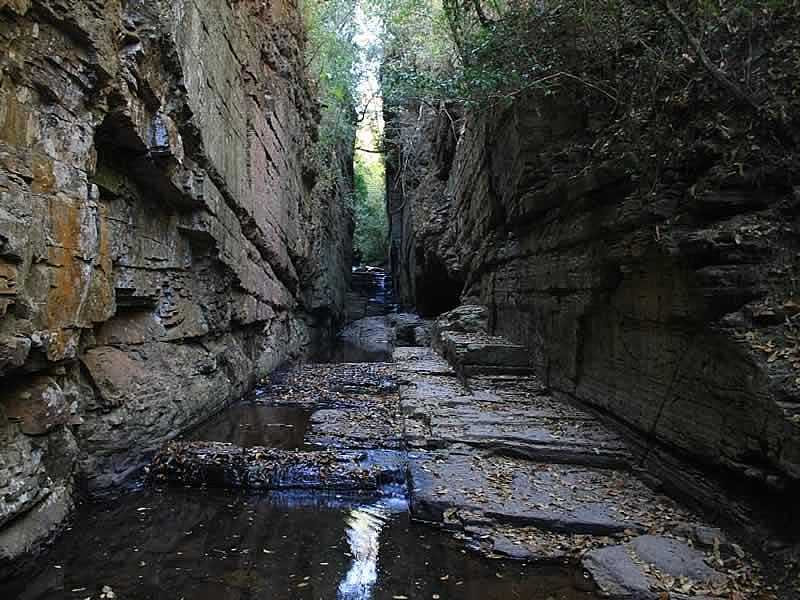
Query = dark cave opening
x=437 y=290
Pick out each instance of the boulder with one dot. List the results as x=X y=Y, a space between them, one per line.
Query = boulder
x=469 y=318
x=650 y=566
x=477 y=353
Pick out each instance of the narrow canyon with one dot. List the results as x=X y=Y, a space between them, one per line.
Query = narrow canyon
x=399 y=299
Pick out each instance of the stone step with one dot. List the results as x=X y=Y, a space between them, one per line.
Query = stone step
x=654 y=567
x=419 y=362
x=555 y=498
x=219 y=464
x=479 y=353
x=516 y=420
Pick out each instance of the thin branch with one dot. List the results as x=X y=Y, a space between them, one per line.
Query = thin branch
x=590 y=85
x=365 y=109
x=541 y=80
x=484 y=20
x=716 y=73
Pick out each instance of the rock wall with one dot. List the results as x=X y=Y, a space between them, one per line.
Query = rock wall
x=421 y=143
x=161 y=243
x=672 y=306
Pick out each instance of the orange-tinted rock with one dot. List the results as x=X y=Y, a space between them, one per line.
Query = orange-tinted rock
x=159 y=248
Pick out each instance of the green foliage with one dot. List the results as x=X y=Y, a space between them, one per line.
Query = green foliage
x=482 y=52
x=338 y=65
x=468 y=52
x=332 y=59
x=419 y=50
x=370 y=241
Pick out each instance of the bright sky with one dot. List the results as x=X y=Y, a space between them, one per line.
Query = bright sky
x=369 y=90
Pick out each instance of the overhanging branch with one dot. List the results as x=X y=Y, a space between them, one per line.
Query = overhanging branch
x=716 y=73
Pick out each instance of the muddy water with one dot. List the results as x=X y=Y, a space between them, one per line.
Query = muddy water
x=217 y=545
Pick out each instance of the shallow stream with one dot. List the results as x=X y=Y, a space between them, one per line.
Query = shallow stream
x=220 y=545
x=175 y=543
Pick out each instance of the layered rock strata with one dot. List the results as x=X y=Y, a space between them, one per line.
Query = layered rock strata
x=162 y=245
x=669 y=305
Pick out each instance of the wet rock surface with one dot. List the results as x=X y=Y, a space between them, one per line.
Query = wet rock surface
x=259 y=468
x=494 y=459
x=649 y=566
x=338 y=498
x=503 y=415
x=524 y=475
x=366 y=340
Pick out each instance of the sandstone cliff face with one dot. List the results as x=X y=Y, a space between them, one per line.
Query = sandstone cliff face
x=674 y=310
x=161 y=245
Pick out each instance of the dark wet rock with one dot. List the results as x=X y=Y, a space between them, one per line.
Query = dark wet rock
x=617 y=576
x=23 y=537
x=675 y=558
x=367 y=340
x=447 y=481
x=505 y=415
x=522 y=474
x=411 y=329
x=257 y=468
x=418 y=363
x=371 y=424
x=650 y=566
x=552 y=498
x=703 y=535
x=478 y=353
x=506 y=547
x=467 y=318
x=530 y=544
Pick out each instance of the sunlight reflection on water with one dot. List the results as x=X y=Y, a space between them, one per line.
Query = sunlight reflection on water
x=364 y=525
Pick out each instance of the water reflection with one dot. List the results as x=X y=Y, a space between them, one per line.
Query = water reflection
x=343 y=351
x=364 y=526
x=250 y=423
x=363 y=535
x=215 y=544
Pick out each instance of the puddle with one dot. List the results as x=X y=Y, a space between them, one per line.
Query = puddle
x=249 y=423
x=214 y=544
